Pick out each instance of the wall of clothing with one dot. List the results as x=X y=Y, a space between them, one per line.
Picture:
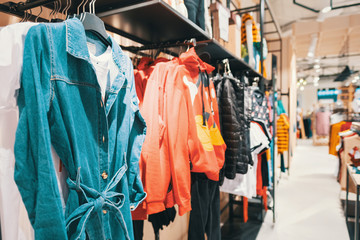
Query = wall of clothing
x=93 y=144
x=344 y=144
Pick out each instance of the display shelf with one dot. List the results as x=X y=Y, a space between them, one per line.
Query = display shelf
x=152 y=22
x=218 y=53
x=155 y=22
x=347 y=96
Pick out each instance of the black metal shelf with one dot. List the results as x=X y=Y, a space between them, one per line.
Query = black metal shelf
x=152 y=22
x=218 y=53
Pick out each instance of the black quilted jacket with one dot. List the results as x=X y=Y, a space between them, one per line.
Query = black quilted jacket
x=234 y=124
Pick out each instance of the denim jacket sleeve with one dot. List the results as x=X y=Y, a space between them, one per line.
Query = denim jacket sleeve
x=136 y=140
x=34 y=170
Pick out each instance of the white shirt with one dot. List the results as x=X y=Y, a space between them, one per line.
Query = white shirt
x=245 y=184
x=15 y=223
x=101 y=64
x=105 y=68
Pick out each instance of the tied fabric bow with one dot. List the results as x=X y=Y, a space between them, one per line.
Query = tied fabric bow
x=96 y=201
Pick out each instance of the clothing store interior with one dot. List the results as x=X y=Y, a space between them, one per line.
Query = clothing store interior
x=179 y=119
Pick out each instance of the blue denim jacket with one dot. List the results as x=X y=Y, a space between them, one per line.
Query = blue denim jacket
x=99 y=142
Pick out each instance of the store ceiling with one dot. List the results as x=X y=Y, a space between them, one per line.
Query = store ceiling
x=287 y=12
x=333 y=38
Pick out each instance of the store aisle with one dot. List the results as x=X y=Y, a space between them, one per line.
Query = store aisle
x=308 y=205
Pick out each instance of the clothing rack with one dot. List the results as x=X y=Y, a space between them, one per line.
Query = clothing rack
x=19 y=11
x=261 y=8
x=164 y=47
x=191 y=43
x=161 y=19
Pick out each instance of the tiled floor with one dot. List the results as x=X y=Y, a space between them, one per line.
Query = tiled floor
x=308 y=205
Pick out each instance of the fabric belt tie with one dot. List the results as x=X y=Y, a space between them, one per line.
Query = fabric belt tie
x=96 y=201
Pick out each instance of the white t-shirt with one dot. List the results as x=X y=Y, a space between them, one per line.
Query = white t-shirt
x=14 y=220
x=101 y=64
x=245 y=184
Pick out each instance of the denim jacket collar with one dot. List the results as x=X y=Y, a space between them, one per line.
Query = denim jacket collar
x=77 y=47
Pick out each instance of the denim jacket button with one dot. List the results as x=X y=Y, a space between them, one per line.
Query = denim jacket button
x=104 y=175
x=132 y=208
x=103 y=138
x=104 y=212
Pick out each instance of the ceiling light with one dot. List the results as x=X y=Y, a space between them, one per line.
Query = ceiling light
x=312 y=46
x=316 y=79
x=298 y=84
x=302 y=88
x=357 y=77
x=317 y=60
x=326 y=9
x=318 y=70
x=354 y=80
x=316 y=84
x=316 y=66
x=305 y=82
x=301 y=80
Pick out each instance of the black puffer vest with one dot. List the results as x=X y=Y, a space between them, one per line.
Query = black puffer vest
x=235 y=126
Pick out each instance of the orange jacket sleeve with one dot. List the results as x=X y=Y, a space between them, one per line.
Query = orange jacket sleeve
x=177 y=113
x=155 y=170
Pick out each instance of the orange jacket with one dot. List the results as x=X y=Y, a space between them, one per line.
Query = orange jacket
x=154 y=165
x=206 y=145
x=175 y=102
x=142 y=73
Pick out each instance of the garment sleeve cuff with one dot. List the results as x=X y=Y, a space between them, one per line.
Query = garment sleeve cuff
x=155 y=207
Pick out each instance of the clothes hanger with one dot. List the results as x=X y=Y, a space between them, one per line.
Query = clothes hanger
x=66 y=9
x=227 y=71
x=57 y=10
x=51 y=13
x=24 y=17
x=93 y=23
x=254 y=83
x=28 y=15
x=37 y=17
x=217 y=76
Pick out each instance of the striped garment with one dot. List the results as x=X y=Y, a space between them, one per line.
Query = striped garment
x=255 y=30
x=282 y=133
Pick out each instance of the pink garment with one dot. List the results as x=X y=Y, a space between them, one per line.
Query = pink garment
x=323 y=123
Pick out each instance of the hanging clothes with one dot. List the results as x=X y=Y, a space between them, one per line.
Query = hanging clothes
x=280 y=108
x=255 y=31
x=245 y=184
x=282 y=133
x=154 y=161
x=235 y=125
x=260 y=110
x=307 y=126
x=14 y=221
x=350 y=142
x=334 y=137
x=142 y=73
x=196 y=12
x=205 y=213
x=183 y=133
x=271 y=113
x=98 y=141
x=323 y=123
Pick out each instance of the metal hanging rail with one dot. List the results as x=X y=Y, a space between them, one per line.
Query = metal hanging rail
x=261 y=8
x=13 y=9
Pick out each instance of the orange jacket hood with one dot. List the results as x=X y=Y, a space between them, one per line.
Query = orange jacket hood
x=191 y=60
